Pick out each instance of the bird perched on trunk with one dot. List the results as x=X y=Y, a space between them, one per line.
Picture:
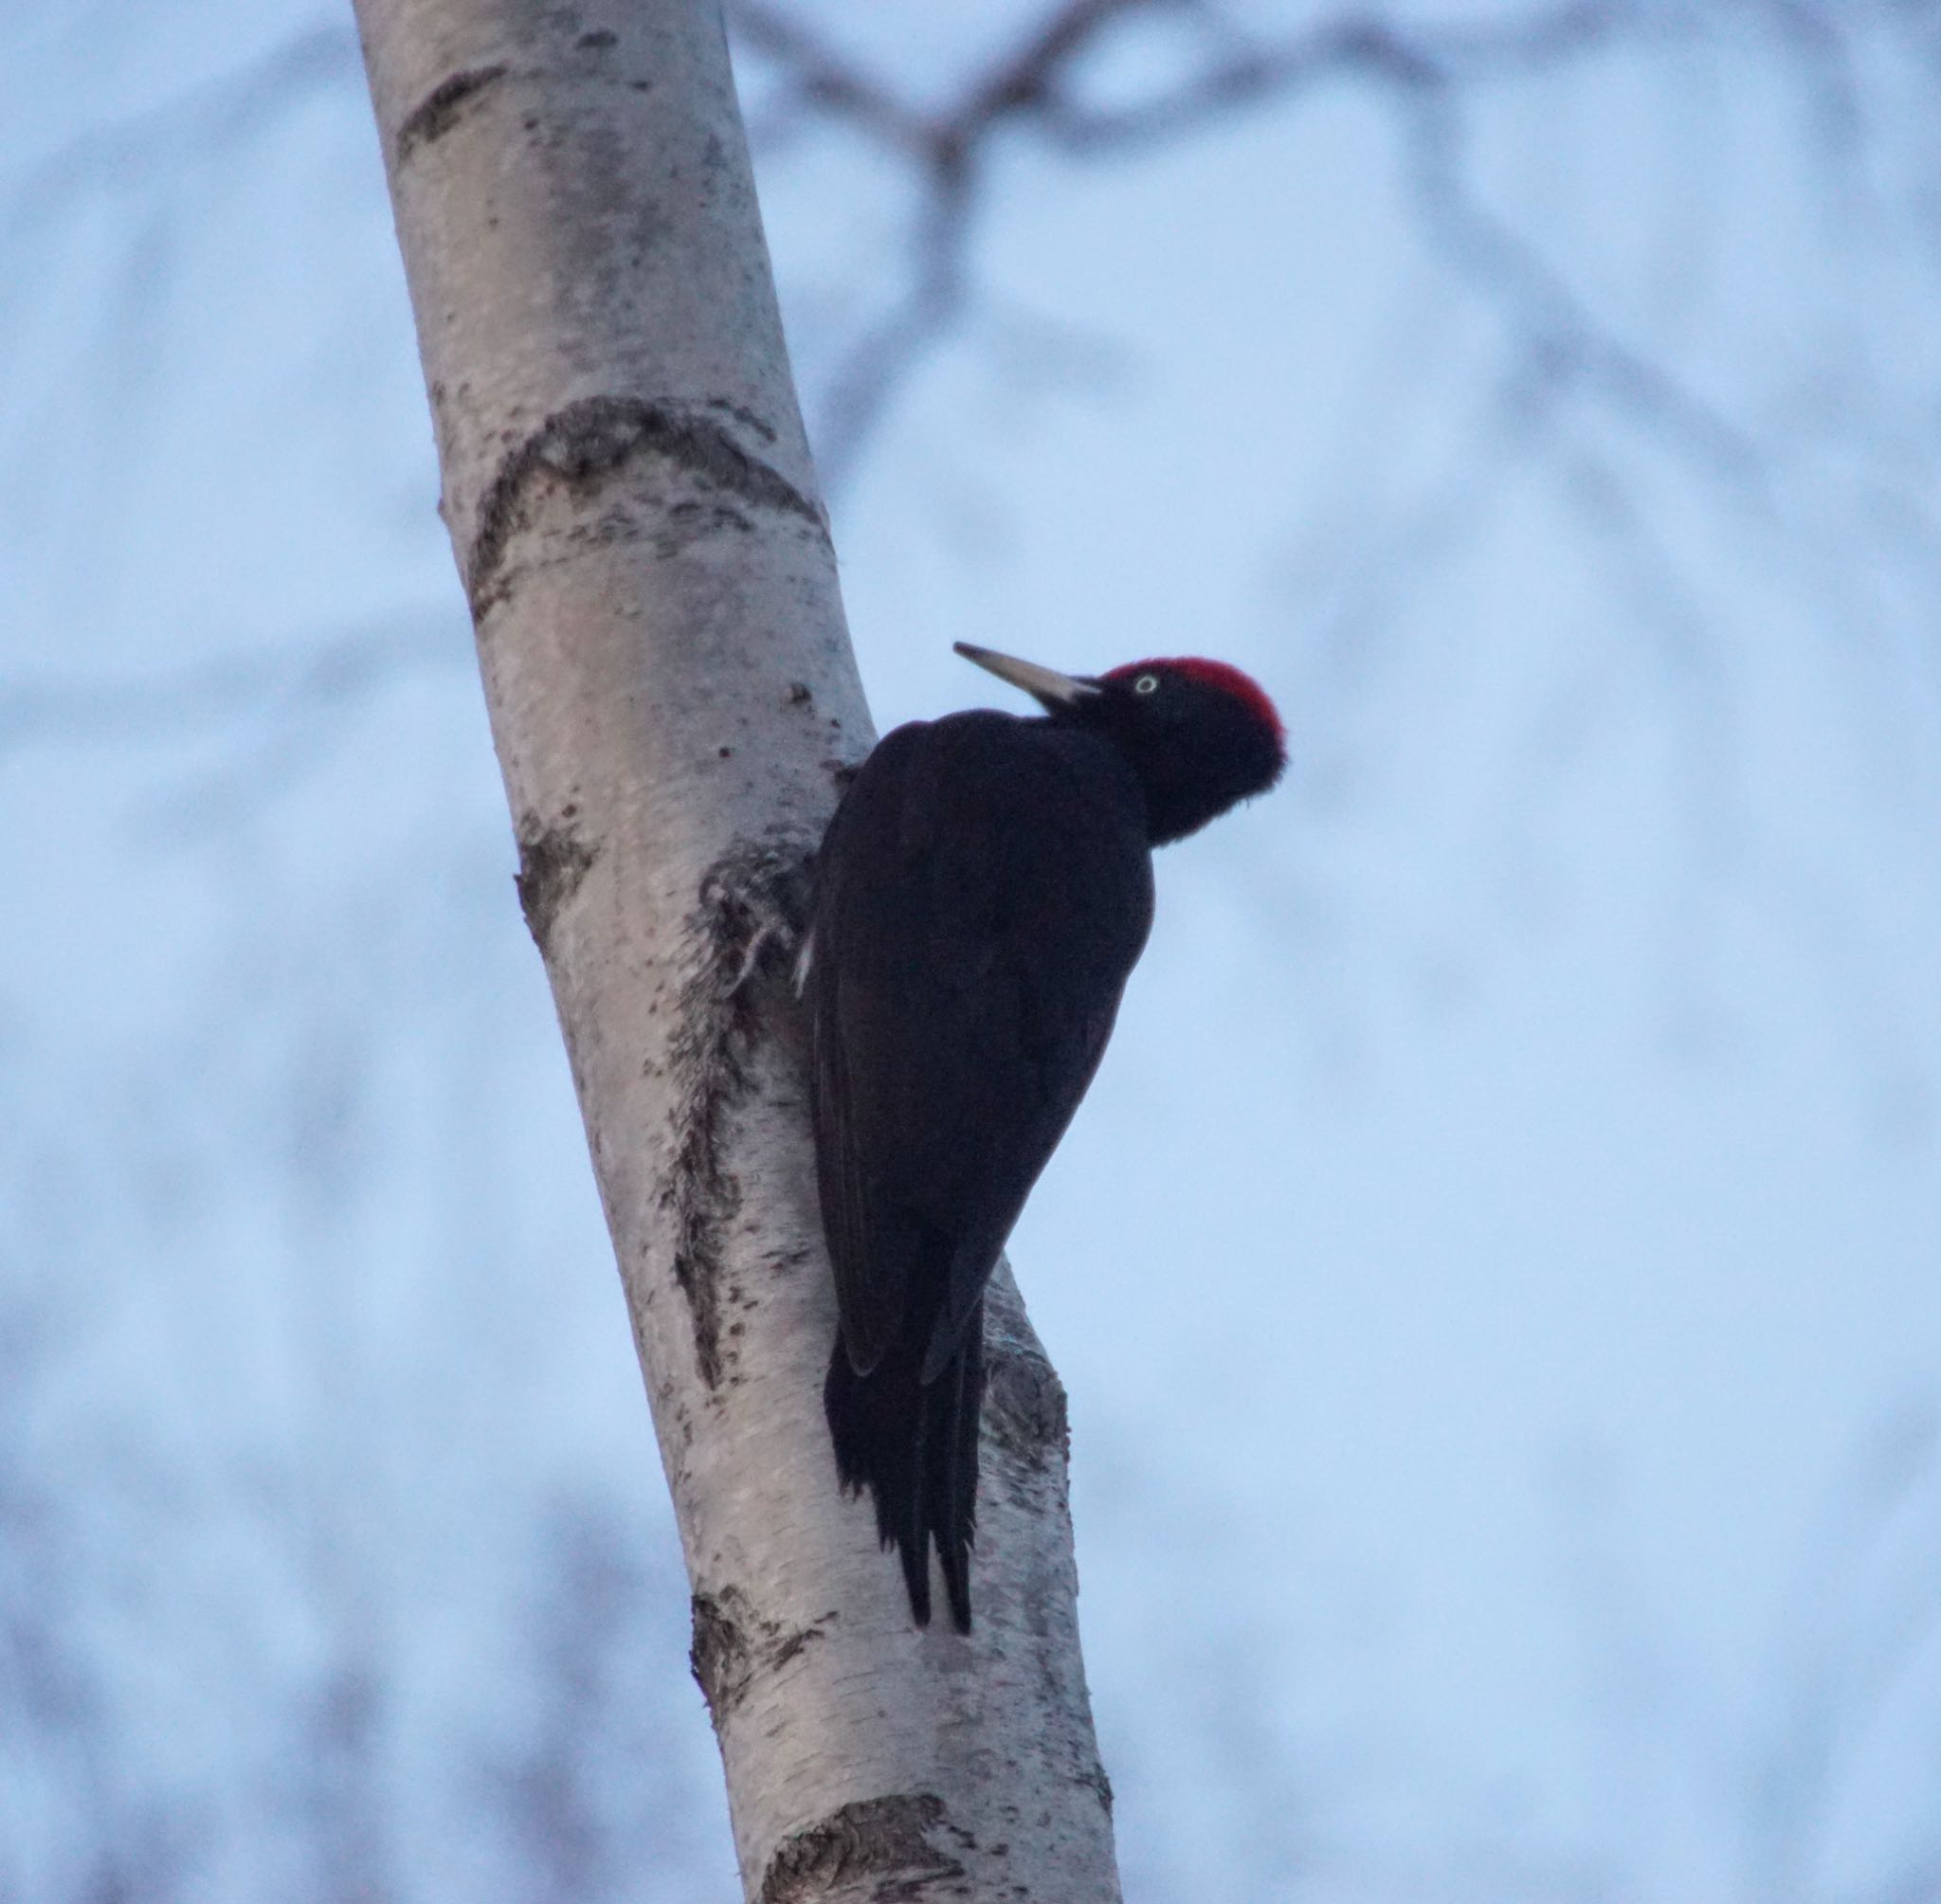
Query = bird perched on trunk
x=981 y=896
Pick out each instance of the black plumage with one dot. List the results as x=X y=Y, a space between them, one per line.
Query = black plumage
x=981 y=896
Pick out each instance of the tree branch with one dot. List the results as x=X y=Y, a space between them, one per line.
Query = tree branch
x=631 y=496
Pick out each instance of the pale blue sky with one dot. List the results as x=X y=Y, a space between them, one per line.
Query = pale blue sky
x=1500 y=1252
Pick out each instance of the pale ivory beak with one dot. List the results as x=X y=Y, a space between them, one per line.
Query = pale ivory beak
x=1043 y=684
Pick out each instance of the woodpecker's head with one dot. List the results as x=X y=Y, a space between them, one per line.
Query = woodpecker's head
x=1199 y=736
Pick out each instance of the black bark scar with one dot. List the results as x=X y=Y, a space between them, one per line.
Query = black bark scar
x=553 y=862
x=1024 y=1409
x=886 y=1838
x=438 y=111
x=741 y=940
x=578 y=446
x=731 y=1643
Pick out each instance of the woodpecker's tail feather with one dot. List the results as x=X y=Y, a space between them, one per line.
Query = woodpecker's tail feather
x=913 y=1445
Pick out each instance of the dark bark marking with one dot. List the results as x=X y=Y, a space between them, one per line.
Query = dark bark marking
x=688 y=520
x=1096 y=1781
x=582 y=444
x=743 y=415
x=553 y=862
x=720 y=1657
x=1024 y=1411
x=886 y=1838
x=741 y=939
x=732 y=1644
x=438 y=111
x=785 y=1650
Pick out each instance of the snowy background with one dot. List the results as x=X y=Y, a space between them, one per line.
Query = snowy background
x=1498 y=1273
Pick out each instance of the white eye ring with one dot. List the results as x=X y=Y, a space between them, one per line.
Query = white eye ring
x=1146 y=684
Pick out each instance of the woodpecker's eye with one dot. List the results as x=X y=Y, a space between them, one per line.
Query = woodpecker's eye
x=1146 y=684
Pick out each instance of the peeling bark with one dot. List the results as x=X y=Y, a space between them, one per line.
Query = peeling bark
x=675 y=708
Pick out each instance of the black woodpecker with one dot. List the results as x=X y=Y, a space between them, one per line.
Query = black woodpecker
x=981 y=896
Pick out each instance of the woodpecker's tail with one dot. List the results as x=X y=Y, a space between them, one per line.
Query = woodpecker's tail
x=913 y=1445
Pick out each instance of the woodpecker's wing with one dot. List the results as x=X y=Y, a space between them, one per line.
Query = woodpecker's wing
x=981 y=896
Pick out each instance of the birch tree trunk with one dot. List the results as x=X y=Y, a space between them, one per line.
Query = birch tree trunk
x=674 y=702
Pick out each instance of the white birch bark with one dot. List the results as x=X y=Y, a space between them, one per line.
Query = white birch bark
x=672 y=698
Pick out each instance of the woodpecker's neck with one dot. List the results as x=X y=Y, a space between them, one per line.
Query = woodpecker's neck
x=1178 y=804
x=1184 y=785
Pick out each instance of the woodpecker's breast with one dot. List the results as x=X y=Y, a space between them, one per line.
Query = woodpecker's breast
x=980 y=897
